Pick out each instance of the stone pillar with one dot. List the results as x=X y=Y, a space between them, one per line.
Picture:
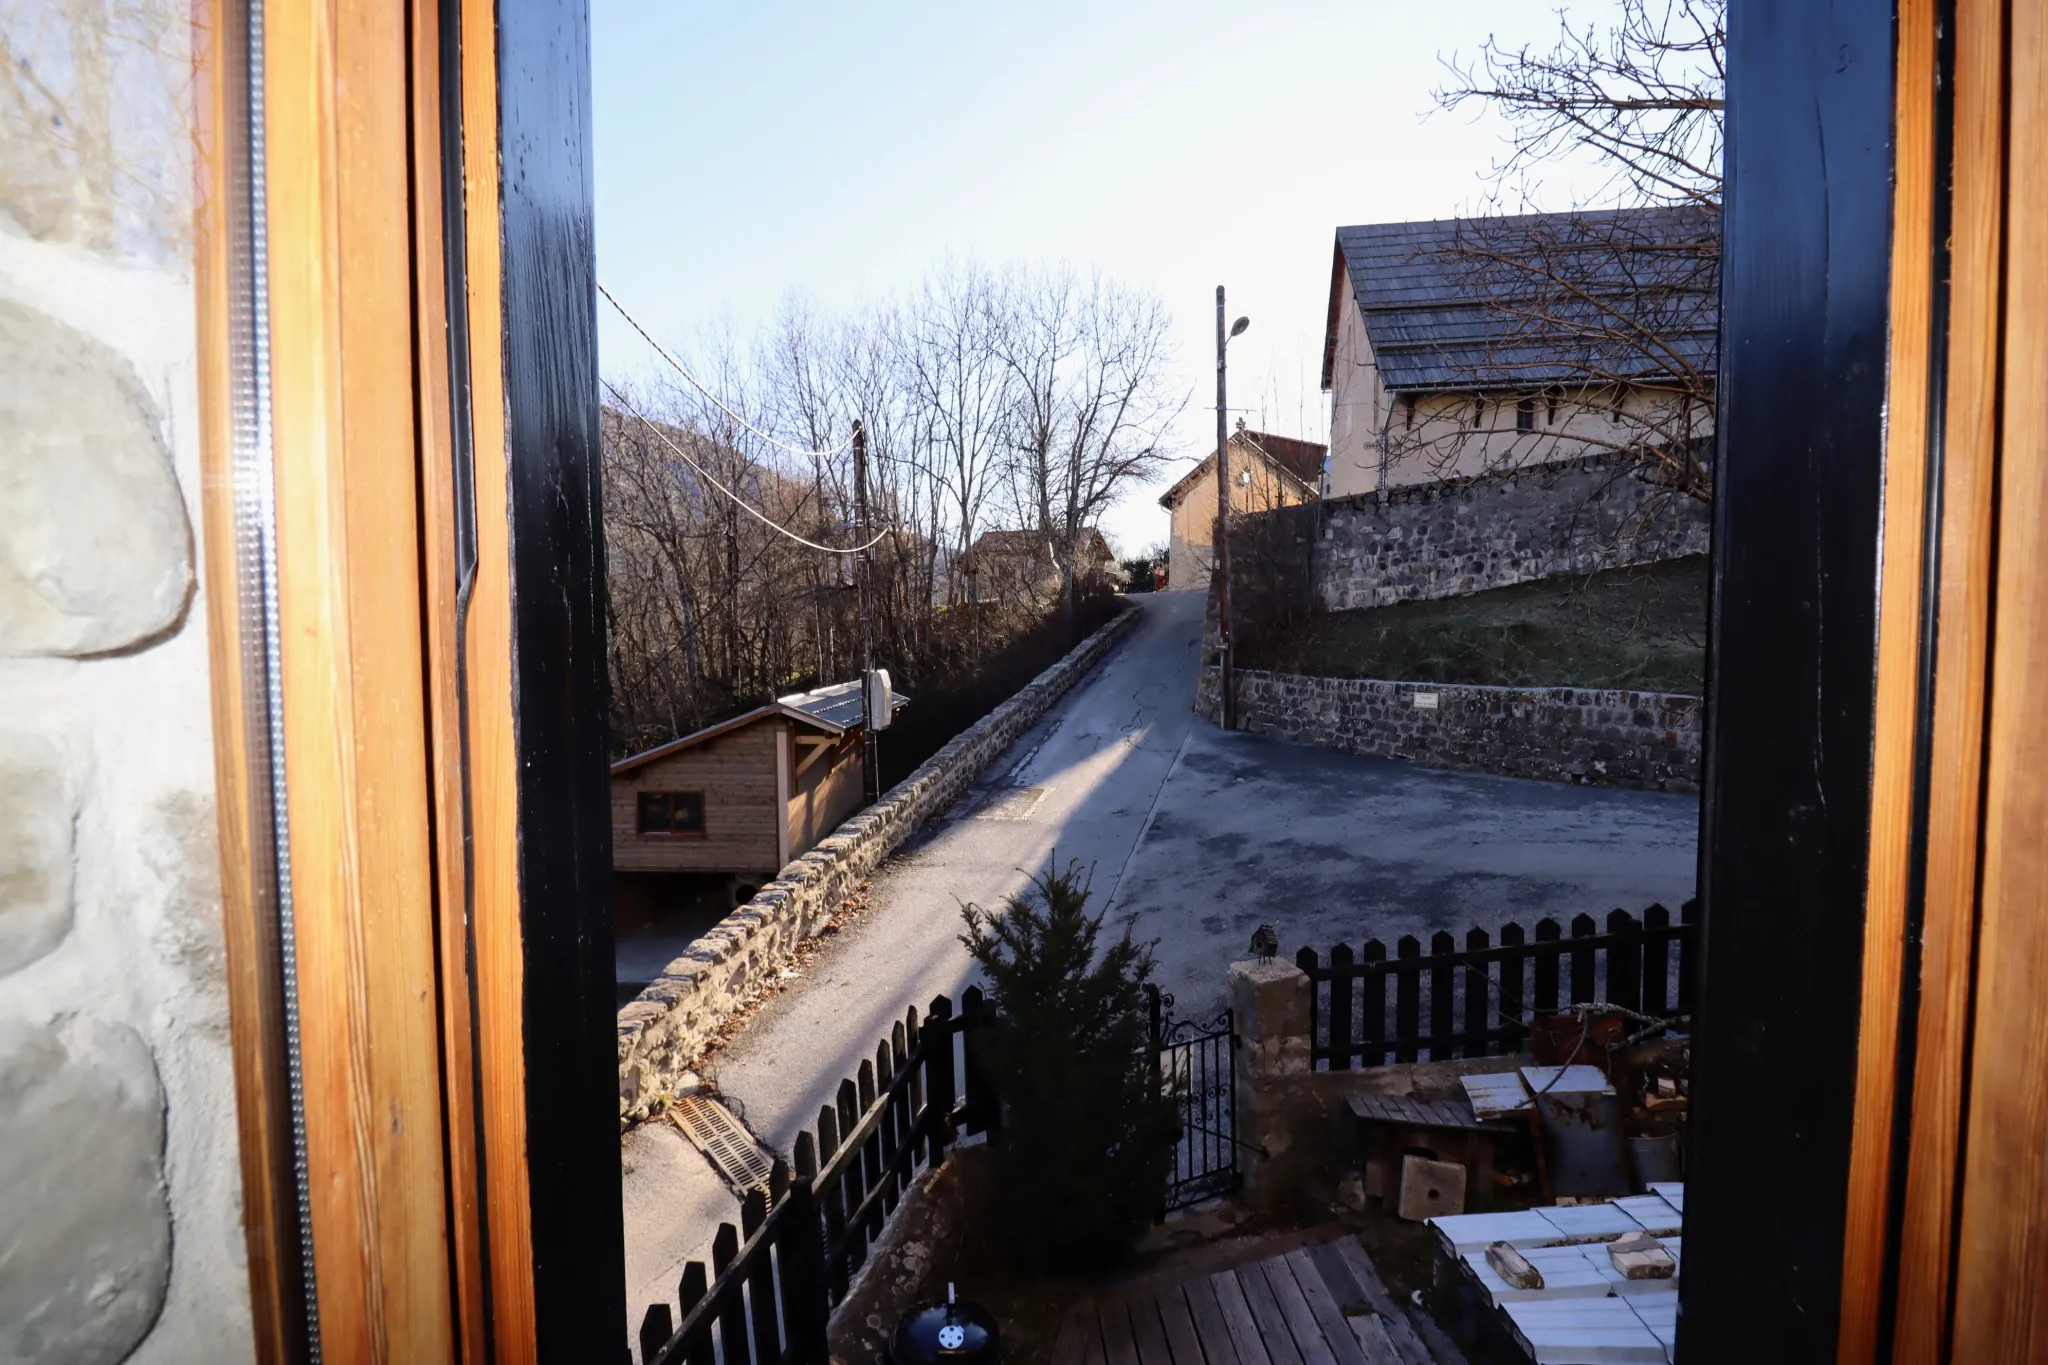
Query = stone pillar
x=1269 y=1003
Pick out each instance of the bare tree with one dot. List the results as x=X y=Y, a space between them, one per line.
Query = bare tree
x=1094 y=401
x=1606 y=313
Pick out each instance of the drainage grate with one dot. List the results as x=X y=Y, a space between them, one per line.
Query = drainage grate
x=729 y=1148
x=1012 y=805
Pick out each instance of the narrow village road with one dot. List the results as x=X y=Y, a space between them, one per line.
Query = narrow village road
x=1195 y=837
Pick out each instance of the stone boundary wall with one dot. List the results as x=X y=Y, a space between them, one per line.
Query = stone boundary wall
x=1465 y=535
x=669 y=1023
x=1649 y=740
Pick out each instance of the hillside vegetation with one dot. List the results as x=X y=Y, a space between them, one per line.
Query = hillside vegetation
x=1643 y=628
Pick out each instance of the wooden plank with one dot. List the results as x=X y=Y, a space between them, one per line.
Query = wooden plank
x=1369 y=1330
x=2002 y=1235
x=1118 y=1346
x=355 y=717
x=1181 y=1334
x=1272 y=1324
x=494 y=762
x=1329 y=1318
x=1294 y=1310
x=1962 y=644
x=1406 y=1342
x=1147 y=1332
x=1080 y=1324
x=1219 y=1343
x=1235 y=1308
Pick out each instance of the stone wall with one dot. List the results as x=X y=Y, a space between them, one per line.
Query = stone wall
x=1610 y=738
x=1465 y=535
x=668 y=1024
x=120 y=1192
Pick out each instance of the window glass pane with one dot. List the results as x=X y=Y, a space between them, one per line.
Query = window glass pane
x=654 y=812
x=687 y=812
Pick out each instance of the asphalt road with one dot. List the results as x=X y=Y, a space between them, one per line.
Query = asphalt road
x=1194 y=837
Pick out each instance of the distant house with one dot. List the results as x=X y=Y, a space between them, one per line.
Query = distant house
x=1266 y=471
x=1460 y=346
x=1020 y=568
x=726 y=807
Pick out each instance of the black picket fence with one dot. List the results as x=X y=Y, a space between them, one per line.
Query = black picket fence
x=1369 y=1009
x=767 y=1301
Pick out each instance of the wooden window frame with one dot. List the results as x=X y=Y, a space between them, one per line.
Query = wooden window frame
x=430 y=454
x=669 y=795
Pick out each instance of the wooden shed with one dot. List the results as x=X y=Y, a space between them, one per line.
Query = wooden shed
x=737 y=801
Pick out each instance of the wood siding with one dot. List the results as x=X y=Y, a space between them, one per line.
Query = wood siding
x=823 y=795
x=736 y=773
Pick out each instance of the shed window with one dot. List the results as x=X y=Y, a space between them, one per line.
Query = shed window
x=1478 y=413
x=1408 y=411
x=671 y=812
x=1525 y=413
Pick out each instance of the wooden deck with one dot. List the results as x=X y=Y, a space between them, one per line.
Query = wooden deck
x=1316 y=1305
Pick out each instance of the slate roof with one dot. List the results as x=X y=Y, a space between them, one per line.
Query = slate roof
x=1523 y=301
x=834 y=710
x=1302 y=460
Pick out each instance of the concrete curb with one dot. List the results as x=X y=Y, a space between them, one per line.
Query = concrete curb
x=665 y=1027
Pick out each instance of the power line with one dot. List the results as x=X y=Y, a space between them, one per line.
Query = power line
x=716 y=401
x=743 y=504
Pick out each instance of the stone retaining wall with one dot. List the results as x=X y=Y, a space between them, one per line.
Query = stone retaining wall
x=667 y=1025
x=1611 y=738
x=1466 y=535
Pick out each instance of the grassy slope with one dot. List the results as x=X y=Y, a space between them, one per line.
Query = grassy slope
x=1642 y=628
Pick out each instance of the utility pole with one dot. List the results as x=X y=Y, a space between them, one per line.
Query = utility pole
x=870 y=768
x=1229 y=705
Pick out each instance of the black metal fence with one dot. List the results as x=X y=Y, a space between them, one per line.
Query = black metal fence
x=1195 y=1060
x=767 y=1298
x=1368 y=1009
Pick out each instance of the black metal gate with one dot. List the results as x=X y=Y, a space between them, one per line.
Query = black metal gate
x=1194 y=1062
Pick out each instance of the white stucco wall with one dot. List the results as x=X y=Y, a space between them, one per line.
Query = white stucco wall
x=120 y=1207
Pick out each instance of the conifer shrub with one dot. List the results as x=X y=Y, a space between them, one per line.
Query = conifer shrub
x=1086 y=1144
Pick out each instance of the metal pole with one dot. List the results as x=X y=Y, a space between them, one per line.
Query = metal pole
x=870 y=768
x=1229 y=702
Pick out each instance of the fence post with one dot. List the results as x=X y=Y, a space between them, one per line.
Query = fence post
x=732 y=1318
x=1443 y=976
x=1342 y=987
x=694 y=1287
x=1512 y=969
x=761 y=1278
x=1155 y=1031
x=938 y=1072
x=888 y=1136
x=1688 y=955
x=1584 y=988
x=853 y=1186
x=830 y=1203
x=1625 y=962
x=1269 y=1010
x=1372 y=1006
x=1656 y=960
x=1547 y=936
x=1478 y=996
x=805 y=1313
x=1407 y=997
x=984 y=1110
x=913 y=1085
x=655 y=1330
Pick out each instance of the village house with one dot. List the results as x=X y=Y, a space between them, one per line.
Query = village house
x=1467 y=346
x=1021 y=568
x=702 y=822
x=1266 y=472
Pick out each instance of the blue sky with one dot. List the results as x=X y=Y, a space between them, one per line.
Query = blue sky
x=745 y=151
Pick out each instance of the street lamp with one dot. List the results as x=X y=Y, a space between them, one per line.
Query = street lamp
x=1229 y=703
